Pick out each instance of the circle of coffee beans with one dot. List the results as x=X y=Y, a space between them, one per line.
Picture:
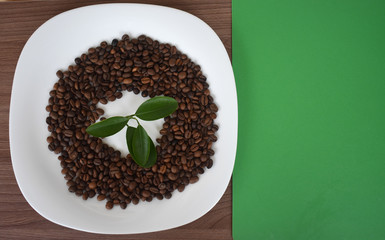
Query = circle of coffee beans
x=142 y=66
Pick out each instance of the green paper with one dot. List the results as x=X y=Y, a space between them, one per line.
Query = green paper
x=310 y=78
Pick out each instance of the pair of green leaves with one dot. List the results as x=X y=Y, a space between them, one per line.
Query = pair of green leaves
x=140 y=145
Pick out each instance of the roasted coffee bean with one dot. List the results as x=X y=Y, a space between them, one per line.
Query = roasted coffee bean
x=210 y=163
x=114 y=42
x=91 y=194
x=145 y=80
x=204 y=100
x=181 y=188
x=194 y=179
x=50 y=139
x=146 y=193
x=59 y=74
x=172 y=62
x=162 y=169
x=183 y=160
x=135 y=201
x=142 y=66
x=154 y=190
x=92 y=185
x=162 y=186
x=168 y=195
x=101 y=197
x=172 y=176
x=132 y=186
x=174 y=169
x=68 y=133
x=194 y=148
x=85 y=196
x=109 y=205
x=182 y=75
x=72 y=189
x=123 y=205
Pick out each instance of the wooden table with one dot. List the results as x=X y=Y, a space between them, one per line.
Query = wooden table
x=18 y=20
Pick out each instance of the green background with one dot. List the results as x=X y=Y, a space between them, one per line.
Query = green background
x=310 y=79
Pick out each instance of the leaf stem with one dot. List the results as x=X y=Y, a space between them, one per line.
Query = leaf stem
x=136 y=120
x=129 y=118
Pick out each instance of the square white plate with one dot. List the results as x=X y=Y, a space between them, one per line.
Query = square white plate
x=53 y=46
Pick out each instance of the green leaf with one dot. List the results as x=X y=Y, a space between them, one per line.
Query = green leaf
x=153 y=155
x=156 y=108
x=107 y=127
x=141 y=146
x=129 y=136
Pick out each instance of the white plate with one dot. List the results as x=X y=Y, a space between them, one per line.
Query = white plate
x=53 y=46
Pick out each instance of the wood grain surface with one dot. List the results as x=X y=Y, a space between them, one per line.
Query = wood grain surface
x=18 y=20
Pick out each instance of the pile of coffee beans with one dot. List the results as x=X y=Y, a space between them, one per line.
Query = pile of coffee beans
x=142 y=66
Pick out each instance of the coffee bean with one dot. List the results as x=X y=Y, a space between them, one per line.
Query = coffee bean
x=186 y=90
x=79 y=135
x=171 y=62
x=124 y=191
x=116 y=66
x=174 y=169
x=73 y=155
x=54 y=115
x=145 y=80
x=181 y=188
x=146 y=193
x=203 y=158
x=70 y=183
x=85 y=196
x=49 y=139
x=132 y=186
x=101 y=197
x=214 y=107
x=114 y=42
x=187 y=134
x=109 y=204
x=183 y=160
x=89 y=69
x=194 y=148
x=204 y=100
x=162 y=169
x=210 y=163
x=61 y=89
x=168 y=195
x=59 y=74
x=162 y=186
x=72 y=189
x=194 y=179
x=68 y=133
x=154 y=190
x=70 y=114
x=100 y=111
x=92 y=185
x=114 y=195
x=172 y=176
x=91 y=194
x=123 y=205
x=197 y=154
x=194 y=116
x=182 y=75
x=159 y=196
